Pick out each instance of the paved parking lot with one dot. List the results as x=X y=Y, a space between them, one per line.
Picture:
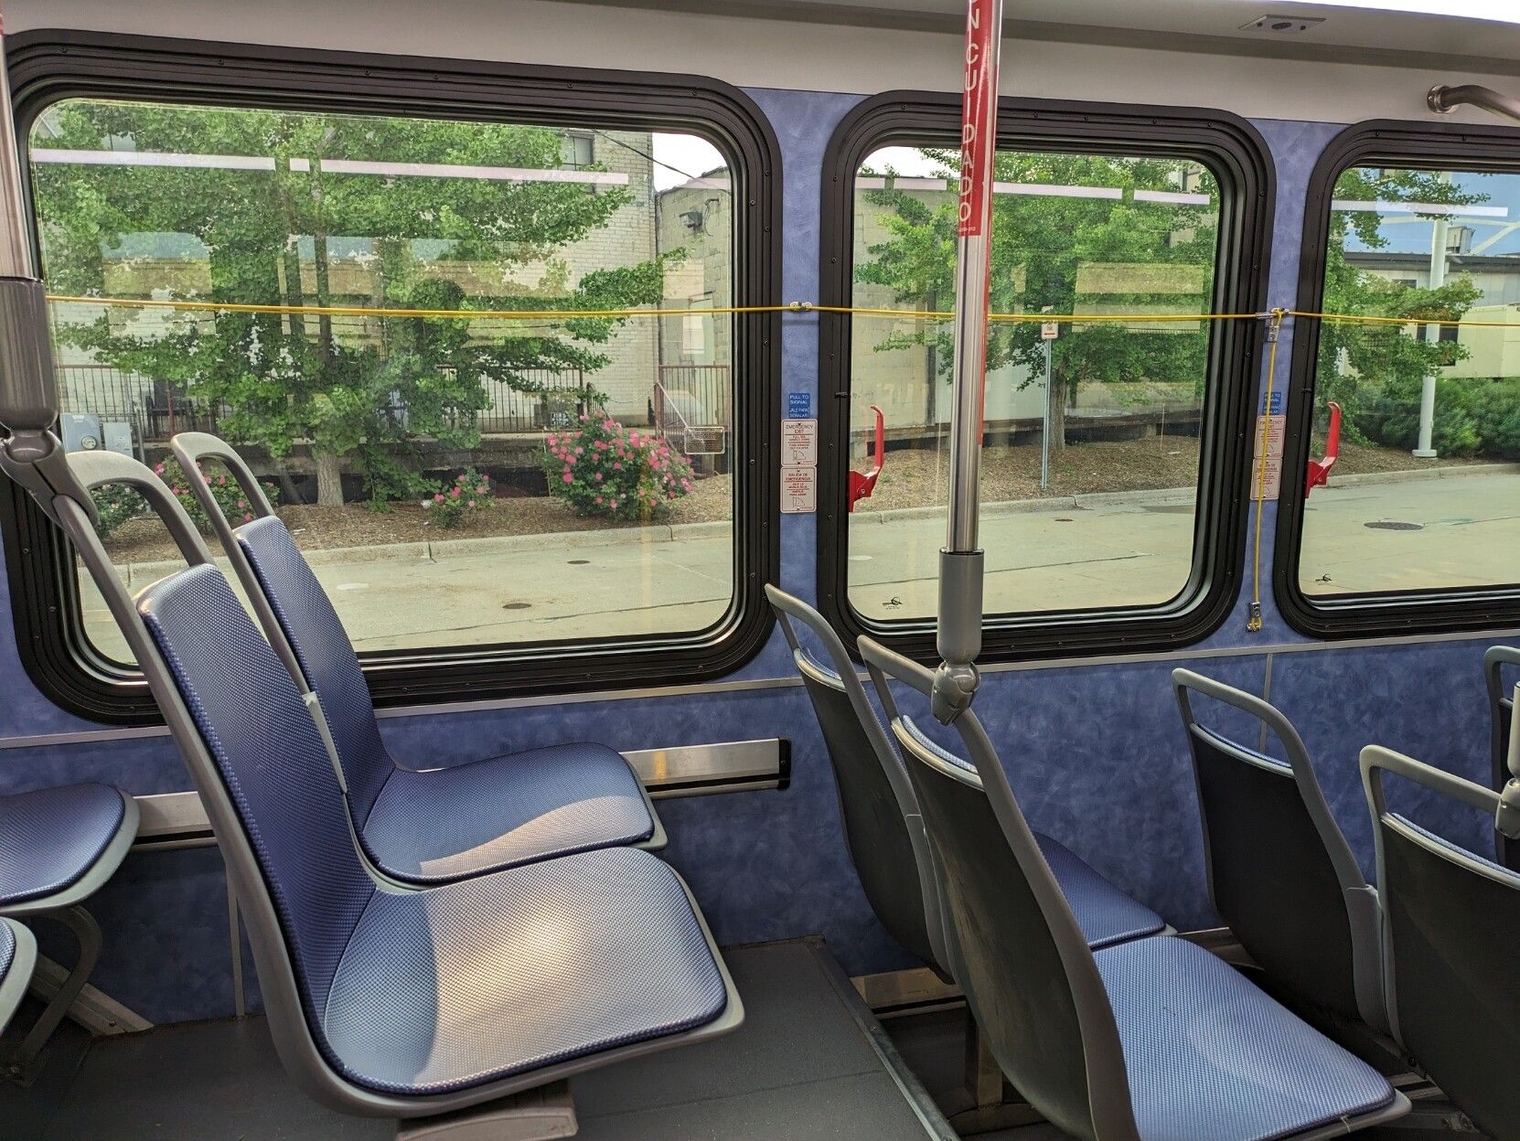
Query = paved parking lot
x=1460 y=529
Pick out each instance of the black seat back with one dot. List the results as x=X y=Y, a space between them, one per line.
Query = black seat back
x=882 y=824
x=1015 y=946
x=1280 y=871
x=1453 y=926
x=1501 y=705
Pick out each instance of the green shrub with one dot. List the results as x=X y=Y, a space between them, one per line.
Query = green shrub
x=1392 y=417
x=115 y=505
x=469 y=494
x=603 y=468
x=224 y=489
x=1495 y=407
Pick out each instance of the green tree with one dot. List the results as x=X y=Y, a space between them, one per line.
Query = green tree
x=350 y=388
x=1363 y=366
x=1053 y=252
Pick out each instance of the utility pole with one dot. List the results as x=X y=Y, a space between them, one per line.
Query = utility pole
x=1440 y=232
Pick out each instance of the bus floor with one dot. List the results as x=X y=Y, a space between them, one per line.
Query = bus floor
x=810 y=1061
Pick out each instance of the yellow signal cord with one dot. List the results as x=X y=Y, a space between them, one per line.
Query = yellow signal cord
x=1274 y=330
x=794 y=307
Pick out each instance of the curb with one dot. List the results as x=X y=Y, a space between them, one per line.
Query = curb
x=1450 y=472
x=436 y=551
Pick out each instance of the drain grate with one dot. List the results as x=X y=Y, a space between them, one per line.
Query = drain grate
x=516 y=605
x=1393 y=525
x=579 y=562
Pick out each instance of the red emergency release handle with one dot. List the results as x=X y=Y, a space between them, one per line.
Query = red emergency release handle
x=1319 y=470
x=863 y=483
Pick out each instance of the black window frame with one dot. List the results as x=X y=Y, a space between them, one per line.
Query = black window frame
x=1241 y=161
x=50 y=65
x=1437 y=610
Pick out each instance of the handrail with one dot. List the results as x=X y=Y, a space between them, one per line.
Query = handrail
x=1444 y=100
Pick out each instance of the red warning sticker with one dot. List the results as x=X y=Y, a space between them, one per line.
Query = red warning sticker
x=977 y=119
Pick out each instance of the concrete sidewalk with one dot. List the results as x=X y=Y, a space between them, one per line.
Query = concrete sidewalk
x=1122 y=549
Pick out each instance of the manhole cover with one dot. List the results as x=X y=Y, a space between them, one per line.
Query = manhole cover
x=1393 y=525
x=516 y=605
x=1062 y=519
x=580 y=562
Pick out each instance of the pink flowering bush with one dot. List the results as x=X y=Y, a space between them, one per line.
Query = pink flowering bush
x=469 y=494
x=224 y=489
x=603 y=468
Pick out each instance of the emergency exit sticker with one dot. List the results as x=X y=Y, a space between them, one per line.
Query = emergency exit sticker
x=799 y=490
x=799 y=442
x=799 y=466
x=1271 y=431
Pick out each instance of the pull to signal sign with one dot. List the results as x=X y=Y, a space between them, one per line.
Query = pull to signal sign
x=977 y=118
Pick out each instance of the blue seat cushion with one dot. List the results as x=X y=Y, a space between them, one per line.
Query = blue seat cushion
x=484 y=978
x=1104 y=913
x=51 y=837
x=7 y=949
x=1212 y=1058
x=430 y=827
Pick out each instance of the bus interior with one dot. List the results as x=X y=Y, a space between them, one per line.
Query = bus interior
x=837 y=569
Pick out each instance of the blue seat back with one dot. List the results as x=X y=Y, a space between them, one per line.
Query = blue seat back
x=271 y=759
x=327 y=658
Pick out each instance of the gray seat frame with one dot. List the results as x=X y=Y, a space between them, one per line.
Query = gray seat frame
x=1502 y=730
x=843 y=678
x=1363 y=912
x=1376 y=760
x=190 y=448
x=18 y=976
x=287 y=1021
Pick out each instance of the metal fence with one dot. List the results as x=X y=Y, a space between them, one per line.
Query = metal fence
x=701 y=395
x=564 y=398
x=156 y=409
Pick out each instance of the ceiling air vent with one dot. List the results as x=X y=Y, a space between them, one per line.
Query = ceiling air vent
x=1282 y=25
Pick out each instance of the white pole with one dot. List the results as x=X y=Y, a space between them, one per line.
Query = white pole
x=1045 y=432
x=1439 y=232
x=960 y=564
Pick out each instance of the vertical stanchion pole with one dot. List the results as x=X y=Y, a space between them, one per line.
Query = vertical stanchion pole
x=1045 y=431
x=28 y=389
x=960 y=562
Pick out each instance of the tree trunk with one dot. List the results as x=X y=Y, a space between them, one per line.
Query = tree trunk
x=329 y=479
x=1058 y=398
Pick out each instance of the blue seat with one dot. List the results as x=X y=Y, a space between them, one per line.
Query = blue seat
x=1104 y=913
x=1452 y=926
x=1281 y=873
x=1209 y=1057
x=883 y=825
x=1152 y=1039
x=58 y=847
x=52 y=838
x=429 y=825
x=402 y=1001
x=18 y=955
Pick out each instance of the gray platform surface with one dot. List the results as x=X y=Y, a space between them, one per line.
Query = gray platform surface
x=808 y=1063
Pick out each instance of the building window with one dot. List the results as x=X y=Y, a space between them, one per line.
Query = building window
x=1417 y=256
x=1103 y=457
x=470 y=488
x=576 y=150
